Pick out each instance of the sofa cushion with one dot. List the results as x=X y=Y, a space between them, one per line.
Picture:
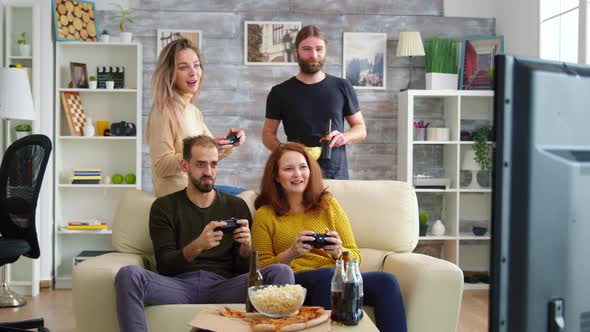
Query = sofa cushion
x=131 y=233
x=383 y=214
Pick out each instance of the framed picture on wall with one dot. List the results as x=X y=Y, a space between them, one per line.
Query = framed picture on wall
x=270 y=43
x=165 y=36
x=364 y=59
x=477 y=62
x=74 y=20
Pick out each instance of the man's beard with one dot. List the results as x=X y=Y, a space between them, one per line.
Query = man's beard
x=309 y=67
x=202 y=187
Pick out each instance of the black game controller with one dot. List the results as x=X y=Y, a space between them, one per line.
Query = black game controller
x=229 y=227
x=232 y=138
x=319 y=240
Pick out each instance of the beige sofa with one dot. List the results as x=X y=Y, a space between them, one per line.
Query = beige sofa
x=384 y=218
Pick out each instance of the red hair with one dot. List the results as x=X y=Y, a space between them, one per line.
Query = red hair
x=272 y=193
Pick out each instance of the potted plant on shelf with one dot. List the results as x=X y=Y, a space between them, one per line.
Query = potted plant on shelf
x=110 y=84
x=441 y=63
x=92 y=82
x=483 y=154
x=124 y=16
x=423 y=217
x=23 y=48
x=104 y=36
x=23 y=130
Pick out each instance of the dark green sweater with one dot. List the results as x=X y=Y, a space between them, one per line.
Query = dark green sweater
x=175 y=221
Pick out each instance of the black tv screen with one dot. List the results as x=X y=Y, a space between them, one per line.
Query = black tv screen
x=540 y=257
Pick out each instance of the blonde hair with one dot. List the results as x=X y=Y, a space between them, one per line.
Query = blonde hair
x=167 y=97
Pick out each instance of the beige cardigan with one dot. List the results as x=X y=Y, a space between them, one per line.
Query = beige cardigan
x=165 y=142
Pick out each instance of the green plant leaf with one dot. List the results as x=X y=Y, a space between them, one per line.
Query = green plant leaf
x=441 y=55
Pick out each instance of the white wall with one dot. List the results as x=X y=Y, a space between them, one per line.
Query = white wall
x=470 y=8
x=518 y=21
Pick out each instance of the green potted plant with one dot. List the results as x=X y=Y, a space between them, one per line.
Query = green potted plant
x=483 y=154
x=124 y=16
x=104 y=36
x=23 y=48
x=92 y=82
x=423 y=217
x=442 y=58
x=23 y=130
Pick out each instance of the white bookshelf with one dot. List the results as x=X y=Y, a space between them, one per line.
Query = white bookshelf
x=111 y=154
x=24 y=274
x=460 y=208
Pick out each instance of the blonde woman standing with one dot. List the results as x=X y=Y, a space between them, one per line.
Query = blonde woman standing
x=176 y=83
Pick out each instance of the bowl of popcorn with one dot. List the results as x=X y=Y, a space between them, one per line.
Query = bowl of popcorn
x=277 y=301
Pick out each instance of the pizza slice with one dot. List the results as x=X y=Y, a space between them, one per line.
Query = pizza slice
x=227 y=312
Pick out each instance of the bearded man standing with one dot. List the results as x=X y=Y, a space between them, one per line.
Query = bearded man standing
x=197 y=261
x=307 y=101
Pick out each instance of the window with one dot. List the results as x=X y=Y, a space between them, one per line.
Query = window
x=560 y=24
x=277 y=33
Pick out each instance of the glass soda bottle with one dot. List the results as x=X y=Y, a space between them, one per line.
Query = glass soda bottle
x=337 y=290
x=359 y=277
x=254 y=278
x=351 y=296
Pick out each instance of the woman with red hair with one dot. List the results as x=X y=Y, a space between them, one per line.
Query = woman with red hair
x=294 y=204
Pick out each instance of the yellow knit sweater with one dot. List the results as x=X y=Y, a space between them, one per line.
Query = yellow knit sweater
x=272 y=235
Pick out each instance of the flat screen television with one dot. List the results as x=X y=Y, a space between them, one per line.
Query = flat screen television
x=540 y=256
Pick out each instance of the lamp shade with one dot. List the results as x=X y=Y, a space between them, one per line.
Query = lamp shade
x=468 y=163
x=409 y=43
x=16 y=101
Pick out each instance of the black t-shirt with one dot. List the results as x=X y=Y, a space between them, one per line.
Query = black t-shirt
x=175 y=221
x=305 y=110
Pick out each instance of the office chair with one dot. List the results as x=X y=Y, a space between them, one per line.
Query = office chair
x=21 y=175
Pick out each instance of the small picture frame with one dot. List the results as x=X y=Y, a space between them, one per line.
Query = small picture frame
x=165 y=36
x=364 y=59
x=477 y=62
x=79 y=74
x=270 y=42
x=74 y=20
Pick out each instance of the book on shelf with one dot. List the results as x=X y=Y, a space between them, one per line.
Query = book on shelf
x=86 y=177
x=85 y=181
x=86 y=225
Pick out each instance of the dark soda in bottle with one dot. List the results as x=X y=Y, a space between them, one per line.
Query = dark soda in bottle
x=254 y=278
x=337 y=290
x=351 y=296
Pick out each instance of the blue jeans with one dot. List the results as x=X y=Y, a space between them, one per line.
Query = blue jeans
x=136 y=287
x=381 y=291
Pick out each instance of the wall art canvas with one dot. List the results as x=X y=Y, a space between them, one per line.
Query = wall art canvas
x=477 y=62
x=270 y=43
x=364 y=59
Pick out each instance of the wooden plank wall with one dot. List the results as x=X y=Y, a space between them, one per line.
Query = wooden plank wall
x=235 y=94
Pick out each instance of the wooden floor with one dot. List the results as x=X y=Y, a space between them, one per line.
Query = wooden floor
x=55 y=306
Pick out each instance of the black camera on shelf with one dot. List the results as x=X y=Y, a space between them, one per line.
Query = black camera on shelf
x=123 y=129
x=319 y=240
x=233 y=138
x=229 y=227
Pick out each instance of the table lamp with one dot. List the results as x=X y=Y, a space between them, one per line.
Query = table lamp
x=469 y=164
x=409 y=43
x=16 y=103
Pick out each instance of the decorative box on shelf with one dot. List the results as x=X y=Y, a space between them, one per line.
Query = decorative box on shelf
x=428 y=182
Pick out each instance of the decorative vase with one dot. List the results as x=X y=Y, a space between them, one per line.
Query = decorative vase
x=104 y=38
x=440 y=81
x=89 y=129
x=110 y=84
x=484 y=178
x=126 y=37
x=21 y=134
x=24 y=49
x=92 y=85
x=438 y=229
x=423 y=229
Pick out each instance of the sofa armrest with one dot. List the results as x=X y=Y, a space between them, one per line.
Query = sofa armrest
x=432 y=289
x=93 y=288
